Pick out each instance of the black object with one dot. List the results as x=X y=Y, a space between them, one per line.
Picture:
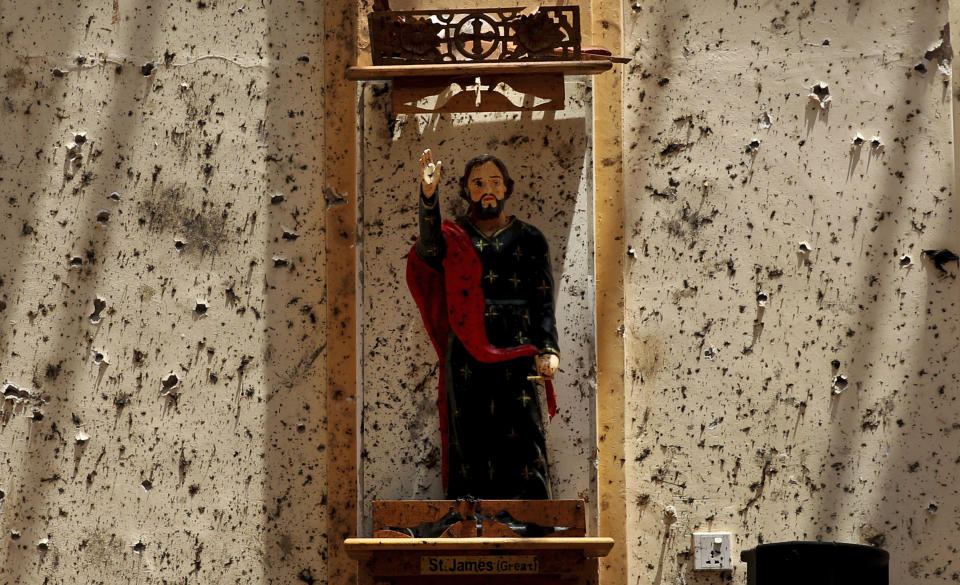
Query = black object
x=429 y=529
x=524 y=529
x=941 y=257
x=820 y=563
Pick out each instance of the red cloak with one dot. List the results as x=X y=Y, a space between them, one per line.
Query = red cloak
x=453 y=300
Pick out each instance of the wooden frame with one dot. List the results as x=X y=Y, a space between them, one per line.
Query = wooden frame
x=340 y=177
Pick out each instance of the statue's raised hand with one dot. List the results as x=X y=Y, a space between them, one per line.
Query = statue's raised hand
x=430 y=173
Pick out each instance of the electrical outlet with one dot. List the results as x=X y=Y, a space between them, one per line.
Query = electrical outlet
x=712 y=551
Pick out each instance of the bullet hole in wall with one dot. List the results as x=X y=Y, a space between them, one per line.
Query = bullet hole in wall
x=669 y=515
x=12 y=392
x=147 y=485
x=81 y=437
x=290 y=236
x=76 y=262
x=820 y=94
x=103 y=216
x=115 y=196
x=139 y=547
x=753 y=147
x=804 y=248
x=44 y=544
x=179 y=245
x=99 y=305
x=200 y=309
x=762 y=299
x=147 y=69
x=839 y=383
x=169 y=384
x=277 y=198
x=835 y=364
x=858 y=140
x=280 y=262
x=99 y=358
x=906 y=261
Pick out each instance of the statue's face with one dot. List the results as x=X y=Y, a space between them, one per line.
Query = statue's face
x=486 y=185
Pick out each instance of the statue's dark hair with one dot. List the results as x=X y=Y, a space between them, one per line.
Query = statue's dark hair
x=479 y=160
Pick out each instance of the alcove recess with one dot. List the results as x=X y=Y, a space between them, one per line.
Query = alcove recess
x=478 y=60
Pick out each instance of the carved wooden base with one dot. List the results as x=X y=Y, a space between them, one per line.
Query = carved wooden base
x=466 y=542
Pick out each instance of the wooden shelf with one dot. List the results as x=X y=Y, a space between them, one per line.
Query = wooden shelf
x=587 y=67
x=592 y=547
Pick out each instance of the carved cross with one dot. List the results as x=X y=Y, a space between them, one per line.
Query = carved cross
x=479 y=88
x=478 y=36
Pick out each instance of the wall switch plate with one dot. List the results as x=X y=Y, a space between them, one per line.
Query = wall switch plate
x=712 y=551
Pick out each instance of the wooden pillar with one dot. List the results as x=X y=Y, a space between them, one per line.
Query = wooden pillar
x=340 y=191
x=607 y=18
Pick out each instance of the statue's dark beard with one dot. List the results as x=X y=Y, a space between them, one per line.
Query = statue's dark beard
x=480 y=211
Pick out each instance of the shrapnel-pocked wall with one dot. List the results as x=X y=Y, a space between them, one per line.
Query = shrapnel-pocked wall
x=163 y=350
x=161 y=292
x=790 y=368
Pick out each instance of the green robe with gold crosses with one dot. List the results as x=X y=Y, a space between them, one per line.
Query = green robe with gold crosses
x=496 y=439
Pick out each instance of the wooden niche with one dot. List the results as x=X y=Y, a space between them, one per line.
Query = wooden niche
x=479 y=60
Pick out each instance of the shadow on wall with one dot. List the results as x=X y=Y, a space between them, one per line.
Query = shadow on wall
x=901 y=413
x=295 y=483
x=549 y=157
x=65 y=140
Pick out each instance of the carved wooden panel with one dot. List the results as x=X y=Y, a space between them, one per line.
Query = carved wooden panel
x=549 y=33
x=496 y=93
